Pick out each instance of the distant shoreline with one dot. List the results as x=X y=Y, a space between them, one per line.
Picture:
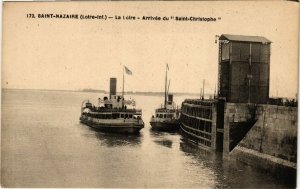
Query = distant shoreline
x=105 y=92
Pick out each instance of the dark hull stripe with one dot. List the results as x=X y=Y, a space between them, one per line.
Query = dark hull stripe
x=123 y=128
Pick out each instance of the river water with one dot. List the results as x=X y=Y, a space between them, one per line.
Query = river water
x=44 y=145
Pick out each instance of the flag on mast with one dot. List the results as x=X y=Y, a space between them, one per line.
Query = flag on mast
x=167 y=67
x=128 y=71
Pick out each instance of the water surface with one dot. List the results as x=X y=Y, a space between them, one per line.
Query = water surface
x=44 y=145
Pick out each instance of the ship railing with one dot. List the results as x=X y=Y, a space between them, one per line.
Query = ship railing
x=206 y=102
x=163 y=110
x=116 y=110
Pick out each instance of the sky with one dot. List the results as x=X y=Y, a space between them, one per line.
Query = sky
x=66 y=54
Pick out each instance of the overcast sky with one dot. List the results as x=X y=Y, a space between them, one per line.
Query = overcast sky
x=76 y=54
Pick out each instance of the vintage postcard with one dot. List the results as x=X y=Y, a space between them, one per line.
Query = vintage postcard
x=158 y=94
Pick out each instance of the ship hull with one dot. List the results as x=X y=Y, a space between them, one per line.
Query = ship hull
x=165 y=125
x=115 y=127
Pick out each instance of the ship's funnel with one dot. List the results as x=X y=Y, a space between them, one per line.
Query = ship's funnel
x=113 y=87
x=170 y=98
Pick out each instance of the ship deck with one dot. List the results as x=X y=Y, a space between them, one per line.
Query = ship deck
x=114 y=110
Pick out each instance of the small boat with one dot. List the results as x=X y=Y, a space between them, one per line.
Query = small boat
x=166 y=118
x=112 y=114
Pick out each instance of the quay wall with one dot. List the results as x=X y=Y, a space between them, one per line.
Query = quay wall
x=274 y=133
x=234 y=113
x=270 y=143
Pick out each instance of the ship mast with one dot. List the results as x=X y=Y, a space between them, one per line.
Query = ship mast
x=203 y=89
x=166 y=86
x=123 y=90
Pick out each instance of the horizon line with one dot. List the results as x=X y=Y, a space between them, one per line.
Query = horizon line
x=91 y=90
x=157 y=92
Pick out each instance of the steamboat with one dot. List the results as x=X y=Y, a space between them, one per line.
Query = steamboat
x=166 y=118
x=113 y=114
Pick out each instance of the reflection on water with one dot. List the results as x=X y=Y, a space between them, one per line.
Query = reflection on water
x=117 y=139
x=155 y=133
x=192 y=149
x=210 y=161
x=228 y=172
x=166 y=143
x=161 y=137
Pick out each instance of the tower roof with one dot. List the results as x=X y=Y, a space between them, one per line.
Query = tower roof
x=244 y=38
